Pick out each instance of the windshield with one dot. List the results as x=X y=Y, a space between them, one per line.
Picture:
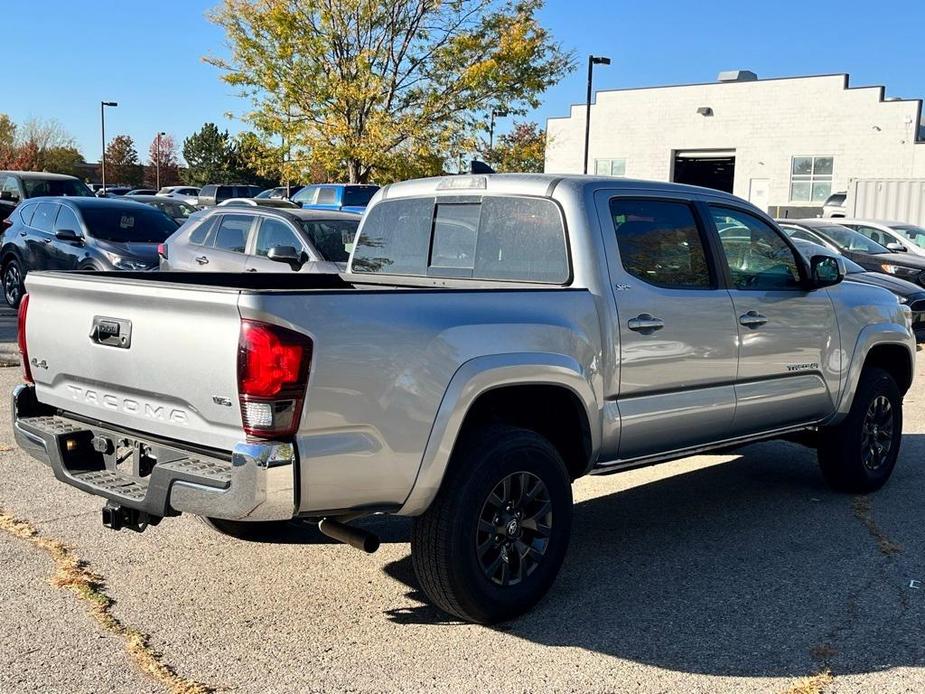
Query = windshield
x=128 y=224
x=850 y=240
x=37 y=187
x=359 y=197
x=174 y=208
x=333 y=239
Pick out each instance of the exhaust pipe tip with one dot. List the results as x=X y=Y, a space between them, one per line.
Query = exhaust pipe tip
x=357 y=538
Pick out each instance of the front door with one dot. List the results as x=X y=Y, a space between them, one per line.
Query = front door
x=272 y=233
x=789 y=360
x=677 y=333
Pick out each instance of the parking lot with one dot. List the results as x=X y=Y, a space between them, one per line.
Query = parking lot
x=715 y=573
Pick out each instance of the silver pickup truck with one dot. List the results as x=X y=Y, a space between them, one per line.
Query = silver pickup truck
x=495 y=338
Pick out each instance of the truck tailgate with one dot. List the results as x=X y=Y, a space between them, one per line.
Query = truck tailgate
x=171 y=369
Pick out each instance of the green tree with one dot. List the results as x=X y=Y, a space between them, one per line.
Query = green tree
x=7 y=141
x=257 y=161
x=522 y=150
x=210 y=156
x=65 y=160
x=122 y=162
x=354 y=84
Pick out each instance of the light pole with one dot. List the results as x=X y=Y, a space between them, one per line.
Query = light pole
x=103 y=105
x=592 y=61
x=157 y=164
x=491 y=127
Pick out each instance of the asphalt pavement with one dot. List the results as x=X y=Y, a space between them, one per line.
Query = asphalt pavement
x=718 y=573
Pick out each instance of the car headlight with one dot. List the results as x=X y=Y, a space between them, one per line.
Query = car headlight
x=131 y=264
x=899 y=270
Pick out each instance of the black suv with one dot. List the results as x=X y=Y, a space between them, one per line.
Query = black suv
x=17 y=186
x=79 y=234
x=212 y=194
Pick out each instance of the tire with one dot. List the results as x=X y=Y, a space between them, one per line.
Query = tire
x=457 y=545
x=858 y=455
x=13 y=288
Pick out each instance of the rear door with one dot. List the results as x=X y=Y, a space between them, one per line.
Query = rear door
x=229 y=240
x=677 y=332
x=789 y=361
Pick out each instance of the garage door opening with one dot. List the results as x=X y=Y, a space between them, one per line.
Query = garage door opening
x=708 y=169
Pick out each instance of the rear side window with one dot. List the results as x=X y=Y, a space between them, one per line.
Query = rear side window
x=659 y=243
x=201 y=233
x=497 y=238
x=359 y=197
x=231 y=234
x=44 y=217
x=224 y=193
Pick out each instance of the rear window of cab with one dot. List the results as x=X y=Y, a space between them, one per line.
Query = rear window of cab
x=507 y=238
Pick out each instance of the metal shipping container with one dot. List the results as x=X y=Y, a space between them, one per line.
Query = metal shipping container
x=893 y=199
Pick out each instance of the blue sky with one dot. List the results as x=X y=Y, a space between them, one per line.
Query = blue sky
x=67 y=56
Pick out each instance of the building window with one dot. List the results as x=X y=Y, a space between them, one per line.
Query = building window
x=610 y=167
x=811 y=179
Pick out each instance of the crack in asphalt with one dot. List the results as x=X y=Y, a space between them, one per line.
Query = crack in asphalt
x=74 y=574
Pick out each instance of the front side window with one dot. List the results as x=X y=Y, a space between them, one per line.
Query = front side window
x=659 y=243
x=610 y=167
x=274 y=233
x=758 y=257
x=231 y=234
x=811 y=179
x=67 y=221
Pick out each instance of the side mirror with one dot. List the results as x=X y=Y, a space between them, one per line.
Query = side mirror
x=289 y=255
x=68 y=235
x=896 y=247
x=825 y=271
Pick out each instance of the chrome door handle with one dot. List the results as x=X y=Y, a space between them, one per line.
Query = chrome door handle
x=645 y=323
x=202 y=260
x=46 y=240
x=752 y=319
x=251 y=269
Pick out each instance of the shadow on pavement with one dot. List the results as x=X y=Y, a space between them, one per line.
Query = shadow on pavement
x=749 y=568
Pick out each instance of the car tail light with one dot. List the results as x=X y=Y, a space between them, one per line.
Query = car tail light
x=21 y=338
x=273 y=366
x=162 y=250
x=6 y=224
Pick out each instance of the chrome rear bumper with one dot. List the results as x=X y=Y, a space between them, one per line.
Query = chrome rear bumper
x=257 y=483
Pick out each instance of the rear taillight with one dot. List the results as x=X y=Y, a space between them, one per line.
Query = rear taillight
x=21 y=338
x=273 y=365
x=162 y=250
x=5 y=224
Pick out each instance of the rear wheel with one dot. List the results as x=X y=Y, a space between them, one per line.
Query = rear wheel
x=13 y=282
x=491 y=543
x=859 y=454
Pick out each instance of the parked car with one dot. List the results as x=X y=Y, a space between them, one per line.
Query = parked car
x=474 y=360
x=82 y=233
x=16 y=186
x=909 y=236
x=280 y=192
x=188 y=194
x=336 y=196
x=113 y=191
x=214 y=194
x=176 y=209
x=259 y=202
x=142 y=191
x=867 y=253
x=262 y=239
x=834 y=205
x=908 y=293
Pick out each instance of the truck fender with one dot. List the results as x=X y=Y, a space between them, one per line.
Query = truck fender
x=478 y=376
x=870 y=336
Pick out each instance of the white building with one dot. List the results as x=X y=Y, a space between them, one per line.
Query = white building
x=785 y=144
